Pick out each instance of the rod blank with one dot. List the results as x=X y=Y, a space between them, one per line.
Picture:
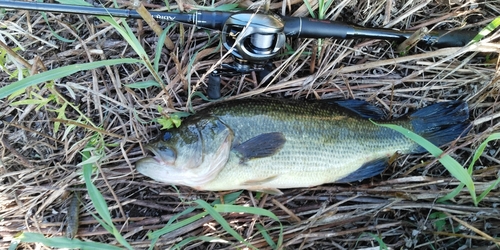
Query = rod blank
x=205 y=19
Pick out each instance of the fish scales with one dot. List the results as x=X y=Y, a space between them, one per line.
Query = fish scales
x=324 y=143
x=269 y=144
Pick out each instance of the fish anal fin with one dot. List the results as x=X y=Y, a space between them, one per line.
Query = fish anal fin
x=263 y=145
x=367 y=170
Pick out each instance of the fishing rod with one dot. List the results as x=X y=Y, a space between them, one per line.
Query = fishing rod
x=255 y=38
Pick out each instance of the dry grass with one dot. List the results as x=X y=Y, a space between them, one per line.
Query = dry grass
x=38 y=166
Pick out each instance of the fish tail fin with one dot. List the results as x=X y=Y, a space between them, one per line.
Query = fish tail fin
x=441 y=123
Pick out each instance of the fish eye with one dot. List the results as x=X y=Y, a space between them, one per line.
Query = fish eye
x=167 y=136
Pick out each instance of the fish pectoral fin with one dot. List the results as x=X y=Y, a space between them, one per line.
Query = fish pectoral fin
x=367 y=170
x=260 y=146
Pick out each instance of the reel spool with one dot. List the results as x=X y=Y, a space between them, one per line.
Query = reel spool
x=256 y=37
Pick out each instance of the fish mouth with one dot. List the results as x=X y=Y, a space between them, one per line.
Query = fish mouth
x=162 y=155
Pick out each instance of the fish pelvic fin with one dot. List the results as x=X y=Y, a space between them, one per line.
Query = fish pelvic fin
x=260 y=146
x=367 y=170
x=267 y=190
x=441 y=123
x=259 y=182
x=259 y=185
x=273 y=191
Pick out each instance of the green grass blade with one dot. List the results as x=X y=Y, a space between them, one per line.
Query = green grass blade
x=159 y=46
x=74 y=2
x=91 y=160
x=53 y=32
x=100 y=203
x=227 y=7
x=309 y=8
x=488 y=190
x=127 y=34
x=13 y=244
x=103 y=223
x=143 y=85
x=266 y=236
x=381 y=242
x=486 y=30
x=329 y=4
x=154 y=236
x=321 y=9
x=477 y=154
x=229 y=198
x=455 y=169
x=171 y=227
x=480 y=149
x=58 y=73
x=228 y=208
x=452 y=194
x=63 y=242
x=218 y=217
x=31 y=101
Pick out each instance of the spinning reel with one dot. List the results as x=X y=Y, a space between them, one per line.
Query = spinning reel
x=253 y=39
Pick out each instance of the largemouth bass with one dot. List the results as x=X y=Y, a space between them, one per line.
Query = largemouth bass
x=270 y=144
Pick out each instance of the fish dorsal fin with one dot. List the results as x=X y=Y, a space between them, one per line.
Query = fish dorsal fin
x=368 y=170
x=361 y=108
x=260 y=146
